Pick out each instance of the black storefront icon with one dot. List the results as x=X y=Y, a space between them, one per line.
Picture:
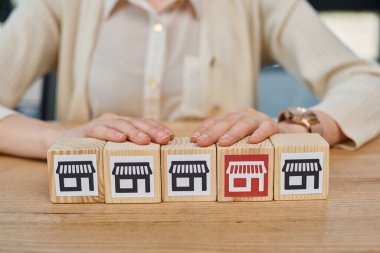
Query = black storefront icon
x=188 y=170
x=75 y=170
x=301 y=168
x=132 y=171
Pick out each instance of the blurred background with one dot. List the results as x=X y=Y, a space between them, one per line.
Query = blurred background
x=355 y=22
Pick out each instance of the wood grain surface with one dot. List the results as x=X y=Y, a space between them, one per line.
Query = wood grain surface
x=349 y=221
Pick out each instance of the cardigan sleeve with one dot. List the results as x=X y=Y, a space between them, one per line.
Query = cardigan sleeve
x=349 y=87
x=28 y=49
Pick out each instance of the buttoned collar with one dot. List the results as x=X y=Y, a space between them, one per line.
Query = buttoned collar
x=109 y=5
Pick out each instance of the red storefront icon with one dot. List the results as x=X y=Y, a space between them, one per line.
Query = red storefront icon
x=246 y=175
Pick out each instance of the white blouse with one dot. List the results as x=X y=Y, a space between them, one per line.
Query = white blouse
x=144 y=58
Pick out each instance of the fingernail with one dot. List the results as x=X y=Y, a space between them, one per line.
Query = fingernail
x=255 y=136
x=142 y=135
x=195 y=137
x=119 y=135
x=169 y=132
x=196 y=134
x=204 y=137
x=226 y=136
x=162 y=135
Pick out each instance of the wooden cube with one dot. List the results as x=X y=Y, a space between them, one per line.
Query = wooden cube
x=301 y=166
x=188 y=171
x=245 y=171
x=132 y=173
x=75 y=168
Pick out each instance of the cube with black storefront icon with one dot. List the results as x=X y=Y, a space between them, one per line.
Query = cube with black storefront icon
x=75 y=168
x=301 y=166
x=132 y=173
x=188 y=171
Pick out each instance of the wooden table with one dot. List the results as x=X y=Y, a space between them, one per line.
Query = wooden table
x=348 y=221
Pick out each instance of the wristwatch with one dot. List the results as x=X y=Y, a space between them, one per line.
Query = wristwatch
x=303 y=117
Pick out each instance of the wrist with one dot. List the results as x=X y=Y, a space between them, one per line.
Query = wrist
x=286 y=127
x=52 y=134
x=332 y=131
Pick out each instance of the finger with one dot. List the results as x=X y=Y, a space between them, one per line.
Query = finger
x=108 y=115
x=165 y=128
x=133 y=134
x=266 y=129
x=206 y=124
x=215 y=132
x=238 y=131
x=102 y=132
x=155 y=131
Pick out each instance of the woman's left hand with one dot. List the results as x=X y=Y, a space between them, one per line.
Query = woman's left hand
x=230 y=128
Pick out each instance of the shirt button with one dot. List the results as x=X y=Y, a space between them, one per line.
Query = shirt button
x=153 y=85
x=158 y=27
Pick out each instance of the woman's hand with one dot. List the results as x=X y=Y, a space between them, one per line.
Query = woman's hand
x=230 y=128
x=116 y=128
x=32 y=138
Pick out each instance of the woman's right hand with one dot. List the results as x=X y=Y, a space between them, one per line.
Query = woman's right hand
x=112 y=127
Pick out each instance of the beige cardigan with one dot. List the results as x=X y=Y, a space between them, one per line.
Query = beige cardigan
x=237 y=38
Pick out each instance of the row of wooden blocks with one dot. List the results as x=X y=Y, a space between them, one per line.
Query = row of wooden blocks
x=284 y=167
